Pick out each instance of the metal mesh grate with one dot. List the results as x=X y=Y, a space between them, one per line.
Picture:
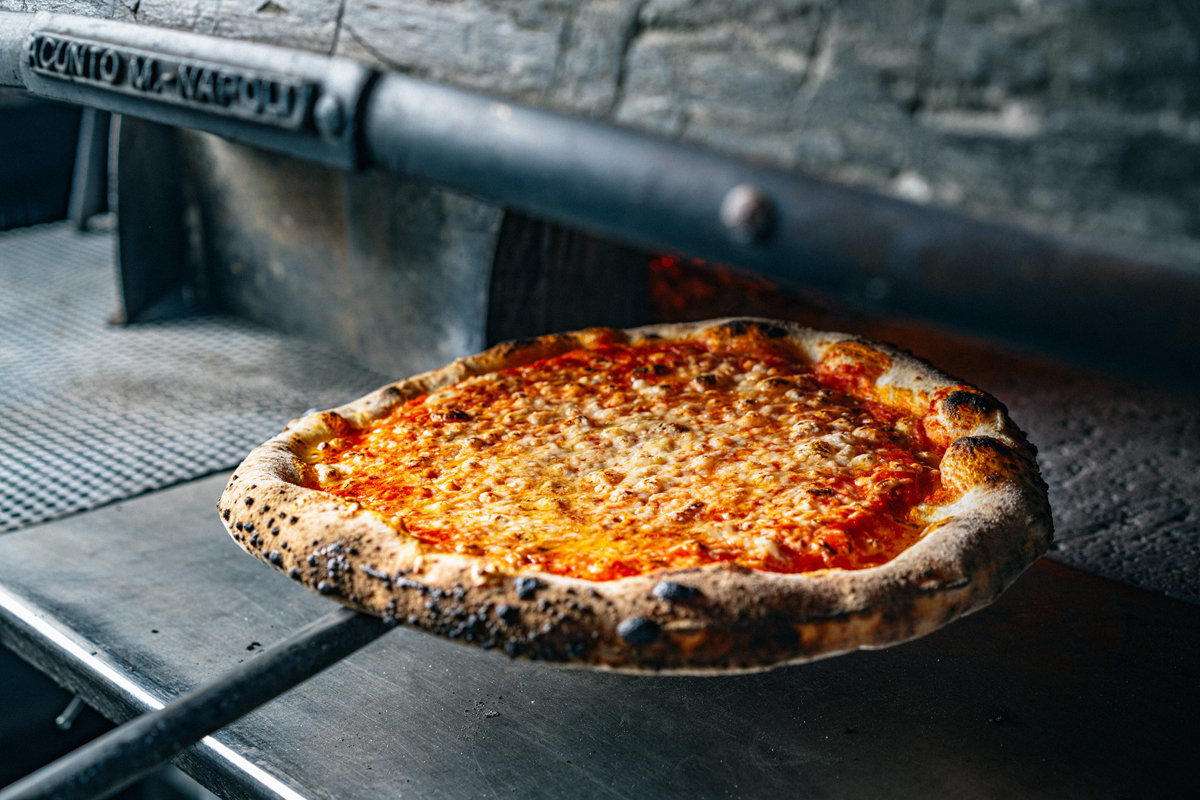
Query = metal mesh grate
x=91 y=413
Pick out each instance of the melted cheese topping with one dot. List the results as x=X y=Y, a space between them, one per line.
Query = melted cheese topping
x=623 y=459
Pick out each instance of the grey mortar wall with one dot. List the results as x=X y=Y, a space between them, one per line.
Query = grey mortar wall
x=1076 y=117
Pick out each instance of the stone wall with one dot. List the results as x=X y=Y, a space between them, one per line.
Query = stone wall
x=1077 y=117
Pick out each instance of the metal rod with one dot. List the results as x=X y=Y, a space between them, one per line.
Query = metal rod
x=89 y=183
x=66 y=719
x=881 y=253
x=120 y=757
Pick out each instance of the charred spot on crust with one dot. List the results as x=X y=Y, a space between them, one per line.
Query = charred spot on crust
x=786 y=637
x=675 y=592
x=975 y=447
x=517 y=348
x=526 y=588
x=325 y=587
x=275 y=557
x=779 y=636
x=374 y=573
x=450 y=415
x=742 y=327
x=957 y=410
x=968 y=406
x=517 y=345
x=249 y=501
x=638 y=630
x=225 y=515
x=336 y=423
x=508 y=614
x=520 y=351
x=294 y=573
x=737 y=327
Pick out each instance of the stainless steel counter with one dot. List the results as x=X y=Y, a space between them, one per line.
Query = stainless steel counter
x=1070 y=686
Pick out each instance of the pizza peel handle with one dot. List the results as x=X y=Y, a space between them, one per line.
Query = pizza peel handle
x=117 y=759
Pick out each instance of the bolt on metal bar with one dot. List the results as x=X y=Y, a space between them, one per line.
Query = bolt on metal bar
x=66 y=720
x=122 y=756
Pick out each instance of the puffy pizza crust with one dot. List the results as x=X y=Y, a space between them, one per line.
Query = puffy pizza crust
x=698 y=620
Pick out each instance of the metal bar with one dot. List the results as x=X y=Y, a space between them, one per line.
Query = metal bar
x=878 y=252
x=120 y=757
x=89 y=184
x=152 y=255
x=882 y=253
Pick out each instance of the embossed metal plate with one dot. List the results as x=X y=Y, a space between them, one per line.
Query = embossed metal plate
x=268 y=98
x=289 y=101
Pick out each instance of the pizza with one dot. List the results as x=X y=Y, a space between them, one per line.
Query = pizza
x=726 y=495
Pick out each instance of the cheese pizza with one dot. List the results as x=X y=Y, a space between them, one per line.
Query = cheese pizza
x=728 y=495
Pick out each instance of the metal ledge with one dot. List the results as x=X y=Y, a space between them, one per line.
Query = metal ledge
x=881 y=253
